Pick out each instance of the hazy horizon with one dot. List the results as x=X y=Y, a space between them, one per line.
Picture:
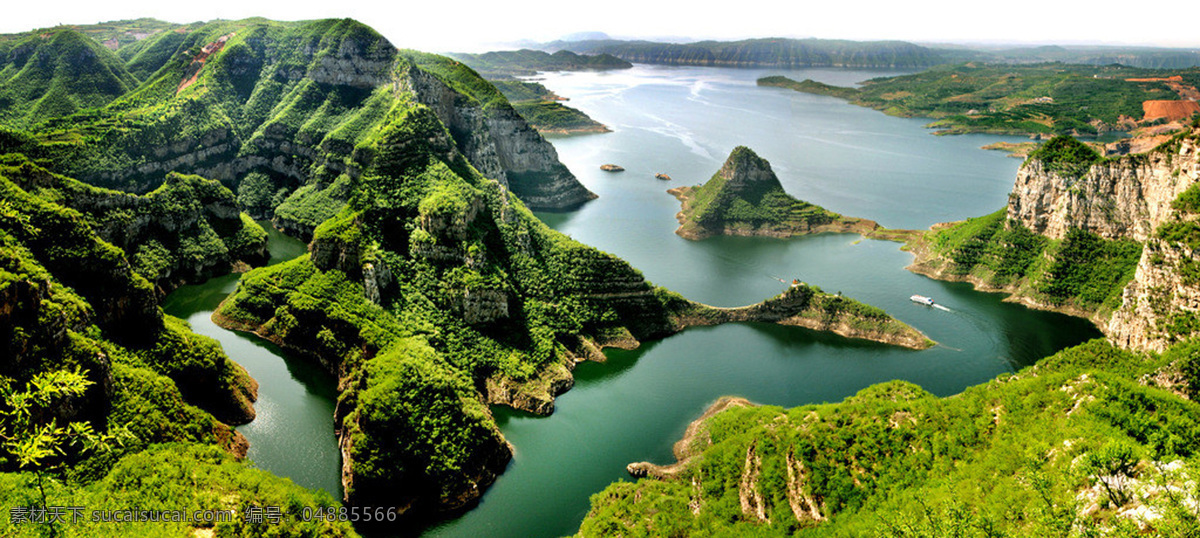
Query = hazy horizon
x=475 y=26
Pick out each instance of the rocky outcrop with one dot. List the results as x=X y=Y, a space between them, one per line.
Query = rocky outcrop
x=745 y=198
x=1161 y=304
x=1126 y=198
x=500 y=144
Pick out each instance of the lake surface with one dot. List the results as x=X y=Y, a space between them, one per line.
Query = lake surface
x=684 y=122
x=292 y=435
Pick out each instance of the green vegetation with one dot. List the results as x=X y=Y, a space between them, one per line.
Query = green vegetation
x=525 y=62
x=1060 y=448
x=745 y=198
x=56 y=73
x=552 y=117
x=178 y=476
x=1066 y=155
x=1081 y=271
x=94 y=377
x=1051 y=98
x=809 y=86
x=421 y=215
x=187 y=229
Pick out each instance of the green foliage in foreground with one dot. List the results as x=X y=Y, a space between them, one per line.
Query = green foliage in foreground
x=184 y=477
x=87 y=355
x=1059 y=449
x=1082 y=270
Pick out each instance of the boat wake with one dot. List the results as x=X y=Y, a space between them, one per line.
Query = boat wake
x=940 y=307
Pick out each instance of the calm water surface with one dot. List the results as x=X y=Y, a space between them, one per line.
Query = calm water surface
x=684 y=122
x=292 y=435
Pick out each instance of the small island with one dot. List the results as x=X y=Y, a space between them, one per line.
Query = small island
x=745 y=198
x=611 y=168
x=662 y=176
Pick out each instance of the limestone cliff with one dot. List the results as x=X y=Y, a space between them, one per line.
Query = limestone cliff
x=1124 y=198
x=1140 y=206
x=497 y=141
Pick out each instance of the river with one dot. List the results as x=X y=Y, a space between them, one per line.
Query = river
x=684 y=122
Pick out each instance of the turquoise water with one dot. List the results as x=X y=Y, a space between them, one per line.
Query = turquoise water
x=684 y=122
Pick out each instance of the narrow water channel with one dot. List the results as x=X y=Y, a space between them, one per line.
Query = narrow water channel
x=292 y=435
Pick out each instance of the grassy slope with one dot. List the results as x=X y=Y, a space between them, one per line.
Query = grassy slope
x=1019 y=456
x=541 y=108
x=56 y=73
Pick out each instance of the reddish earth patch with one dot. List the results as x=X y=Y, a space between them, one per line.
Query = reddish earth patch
x=1171 y=110
x=1175 y=78
x=193 y=71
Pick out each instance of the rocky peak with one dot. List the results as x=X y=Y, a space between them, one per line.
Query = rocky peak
x=744 y=172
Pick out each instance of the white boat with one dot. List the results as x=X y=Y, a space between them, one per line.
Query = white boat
x=922 y=299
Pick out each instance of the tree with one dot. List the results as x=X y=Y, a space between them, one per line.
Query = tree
x=35 y=440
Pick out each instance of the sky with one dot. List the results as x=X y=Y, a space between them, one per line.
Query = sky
x=477 y=25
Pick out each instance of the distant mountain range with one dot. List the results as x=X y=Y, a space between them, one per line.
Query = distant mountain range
x=795 y=53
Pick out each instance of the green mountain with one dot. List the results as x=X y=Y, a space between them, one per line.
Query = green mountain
x=1085 y=442
x=767 y=52
x=430 y=289
x=526 y=62
x=745 y=197
x=544 y=111
x=56 y=73
x=291 y=104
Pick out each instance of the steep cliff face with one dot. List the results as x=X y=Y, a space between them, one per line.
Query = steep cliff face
x=1125 y=198
x=1141 y=206
x=187 y=230
x=495 y=138
x=1162 y=304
